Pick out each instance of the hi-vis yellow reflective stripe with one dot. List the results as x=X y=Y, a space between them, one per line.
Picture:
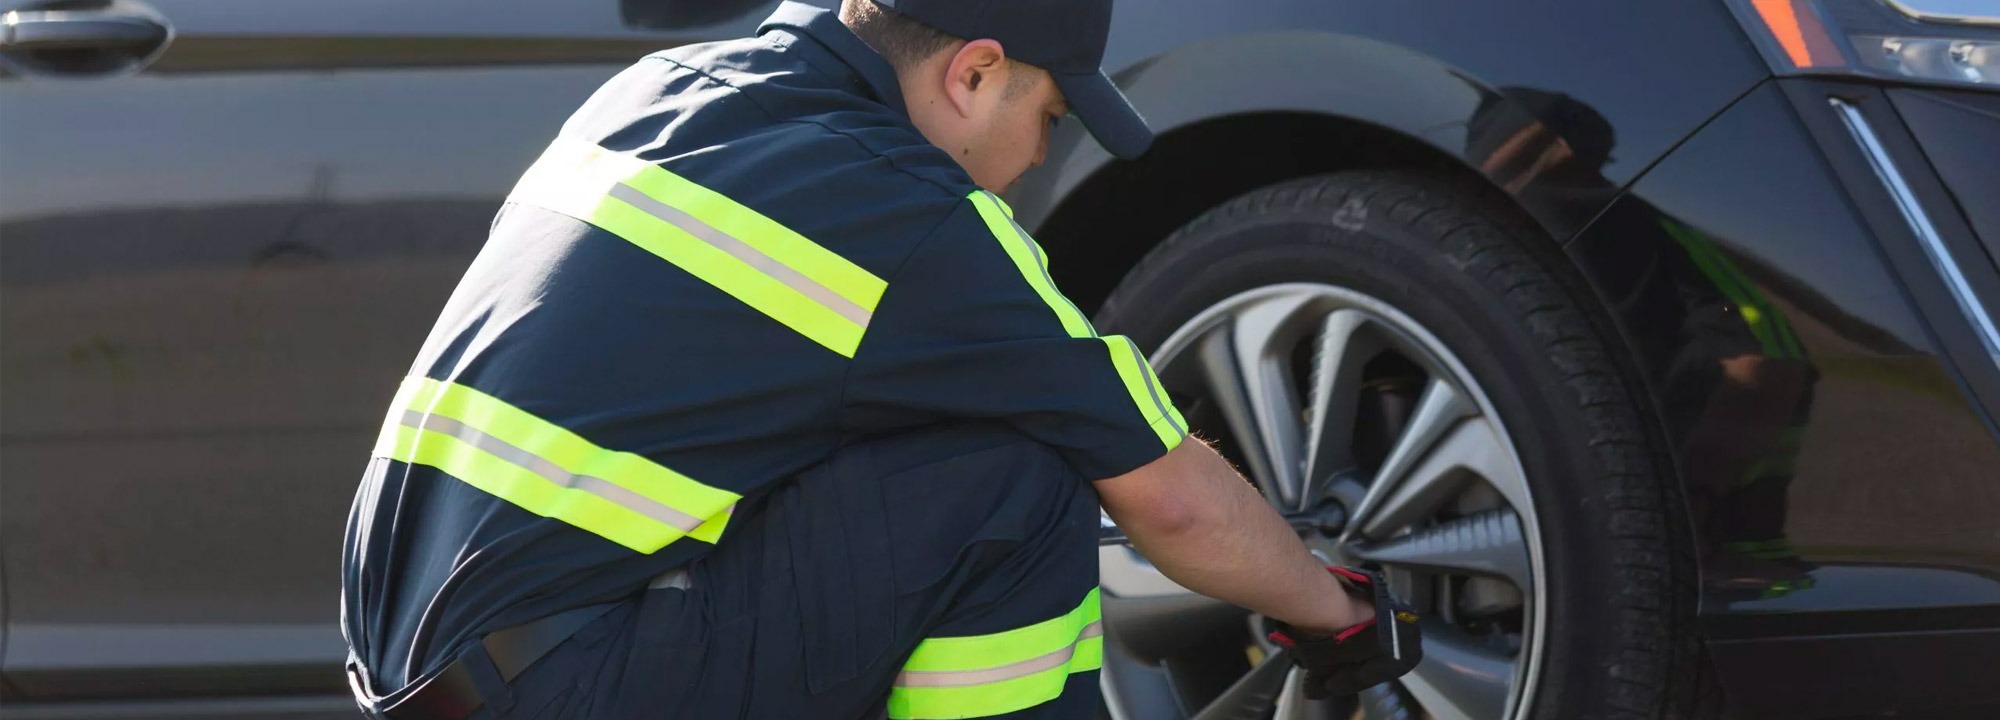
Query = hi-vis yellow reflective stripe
x=1153 y=404
x=986 y=675
x=751 y=257
x=1027 y=256
x=1145 y=390
x=548 y=470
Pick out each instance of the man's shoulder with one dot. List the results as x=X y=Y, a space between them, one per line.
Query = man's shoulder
x=742 y=119
x=800 y=106
x=839 y=175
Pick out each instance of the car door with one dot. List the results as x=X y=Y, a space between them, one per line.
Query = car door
x=216 y=261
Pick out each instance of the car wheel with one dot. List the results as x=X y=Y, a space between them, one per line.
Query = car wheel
x=1426 y=386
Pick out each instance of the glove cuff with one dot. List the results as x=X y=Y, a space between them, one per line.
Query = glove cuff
x=1357 y=584
x=1353 y=576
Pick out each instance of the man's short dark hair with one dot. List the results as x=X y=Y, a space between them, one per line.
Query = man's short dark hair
x=906 y=43
x=903 y=42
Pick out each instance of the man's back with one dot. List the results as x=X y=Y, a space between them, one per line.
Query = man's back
x=630 y=348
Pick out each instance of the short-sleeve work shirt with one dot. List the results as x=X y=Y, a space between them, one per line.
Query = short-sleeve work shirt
x=734 y=258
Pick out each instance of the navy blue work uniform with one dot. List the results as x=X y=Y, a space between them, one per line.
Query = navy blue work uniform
x=753 y=405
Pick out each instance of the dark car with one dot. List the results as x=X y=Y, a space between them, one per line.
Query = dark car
x=1648 y=346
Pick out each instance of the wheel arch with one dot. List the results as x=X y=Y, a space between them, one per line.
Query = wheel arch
x=1109 y=221
x=1385 y=108
x=1236 y=113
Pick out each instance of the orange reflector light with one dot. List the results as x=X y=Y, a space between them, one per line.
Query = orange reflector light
x=1799 y=31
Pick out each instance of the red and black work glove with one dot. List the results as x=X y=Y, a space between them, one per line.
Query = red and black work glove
x=1375 y=651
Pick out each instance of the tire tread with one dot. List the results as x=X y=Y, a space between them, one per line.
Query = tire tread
x=1659 y=670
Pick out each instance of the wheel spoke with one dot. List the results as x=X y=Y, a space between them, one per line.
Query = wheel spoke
x=1248 y=366
x=1225 y=380
x=1488 y=543
x=1470 y=448
x=1438 y=412
x=1292 y=698
x=1459 y=679
x=1253 y=695
x=1150 y=628
x=1338 y=357
x=1497 y=465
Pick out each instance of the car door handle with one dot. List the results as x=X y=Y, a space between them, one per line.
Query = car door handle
x=35 y=30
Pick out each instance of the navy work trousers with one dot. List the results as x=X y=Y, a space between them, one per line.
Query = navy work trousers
x=977 y=539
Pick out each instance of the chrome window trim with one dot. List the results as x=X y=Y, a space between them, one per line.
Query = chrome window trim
x=1920 y=222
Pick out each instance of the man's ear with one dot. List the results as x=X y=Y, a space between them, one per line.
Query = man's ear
x=978 y=66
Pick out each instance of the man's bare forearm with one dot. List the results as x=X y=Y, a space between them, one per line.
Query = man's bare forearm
x=1201 y=524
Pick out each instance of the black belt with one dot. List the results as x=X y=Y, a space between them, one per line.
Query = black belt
x=452 y=693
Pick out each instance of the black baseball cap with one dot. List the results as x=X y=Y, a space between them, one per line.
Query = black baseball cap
x=1064 y=37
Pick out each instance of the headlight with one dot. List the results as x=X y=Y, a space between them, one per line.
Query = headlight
x=1937 y=41
x=1936 y=58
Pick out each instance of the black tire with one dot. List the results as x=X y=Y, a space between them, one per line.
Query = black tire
x=1506 y=304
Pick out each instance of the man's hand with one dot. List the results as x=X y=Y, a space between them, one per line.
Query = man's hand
x=1377 y=650
x=1206 y=528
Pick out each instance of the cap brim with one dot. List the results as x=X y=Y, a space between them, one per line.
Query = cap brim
x=1105 y=112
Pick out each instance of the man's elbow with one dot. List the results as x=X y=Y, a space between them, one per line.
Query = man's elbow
x=1167 y=516
x=1172 y=497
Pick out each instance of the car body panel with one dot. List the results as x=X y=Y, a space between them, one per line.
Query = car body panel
x=1886 y=510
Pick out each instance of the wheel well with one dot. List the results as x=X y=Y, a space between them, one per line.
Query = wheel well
x=1113 y=218
x=1100 y=231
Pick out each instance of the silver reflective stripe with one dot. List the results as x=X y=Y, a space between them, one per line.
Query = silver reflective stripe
x=541 y=466
x=1143 y=365
x=675 y=578
x=988 y=676
x=742 y=251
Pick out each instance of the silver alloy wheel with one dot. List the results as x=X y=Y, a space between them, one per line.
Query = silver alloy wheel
x=1442 y=505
